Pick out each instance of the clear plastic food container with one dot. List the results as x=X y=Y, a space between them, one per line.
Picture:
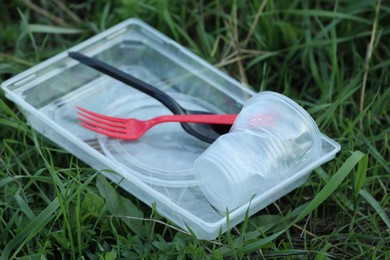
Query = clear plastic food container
x=158 y=168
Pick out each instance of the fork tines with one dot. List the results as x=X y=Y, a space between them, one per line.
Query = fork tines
x=110 y=126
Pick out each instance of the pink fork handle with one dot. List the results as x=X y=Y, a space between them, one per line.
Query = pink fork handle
x=221 y=119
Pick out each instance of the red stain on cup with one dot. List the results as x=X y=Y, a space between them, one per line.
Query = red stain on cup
x=265 y=120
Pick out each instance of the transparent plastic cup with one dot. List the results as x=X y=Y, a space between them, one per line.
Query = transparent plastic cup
x=271 y=138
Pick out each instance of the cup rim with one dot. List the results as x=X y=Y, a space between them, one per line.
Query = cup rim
x=307 y=118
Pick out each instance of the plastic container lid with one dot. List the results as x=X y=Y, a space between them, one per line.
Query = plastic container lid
x=165 y=154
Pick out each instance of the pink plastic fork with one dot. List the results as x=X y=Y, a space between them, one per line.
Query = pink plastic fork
x=132 y=129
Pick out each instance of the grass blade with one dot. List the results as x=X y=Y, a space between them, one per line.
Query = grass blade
x=360 y=176
x=375 y=204
x=42 y=28
x=35 y=226
x=332 y=184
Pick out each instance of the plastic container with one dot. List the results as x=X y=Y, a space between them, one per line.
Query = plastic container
x=49 y=92
x=271 y=138
x=144 y=156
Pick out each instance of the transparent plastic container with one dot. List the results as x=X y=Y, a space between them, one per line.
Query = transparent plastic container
x=271 y=138
x=158 y=168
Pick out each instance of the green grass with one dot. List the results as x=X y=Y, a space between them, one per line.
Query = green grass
x=331 y=57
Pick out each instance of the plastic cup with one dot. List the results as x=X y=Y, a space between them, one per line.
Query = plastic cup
x=270 y=140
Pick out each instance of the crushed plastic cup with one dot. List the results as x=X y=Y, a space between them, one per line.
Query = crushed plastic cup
x=270 y=140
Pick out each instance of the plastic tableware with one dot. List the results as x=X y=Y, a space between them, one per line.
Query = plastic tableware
x=158 y=170
x=205 y=132
x=132 y=128
x=165 y=155
x=271 y=138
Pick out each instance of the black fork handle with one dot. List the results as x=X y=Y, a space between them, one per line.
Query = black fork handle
x=128 y=79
